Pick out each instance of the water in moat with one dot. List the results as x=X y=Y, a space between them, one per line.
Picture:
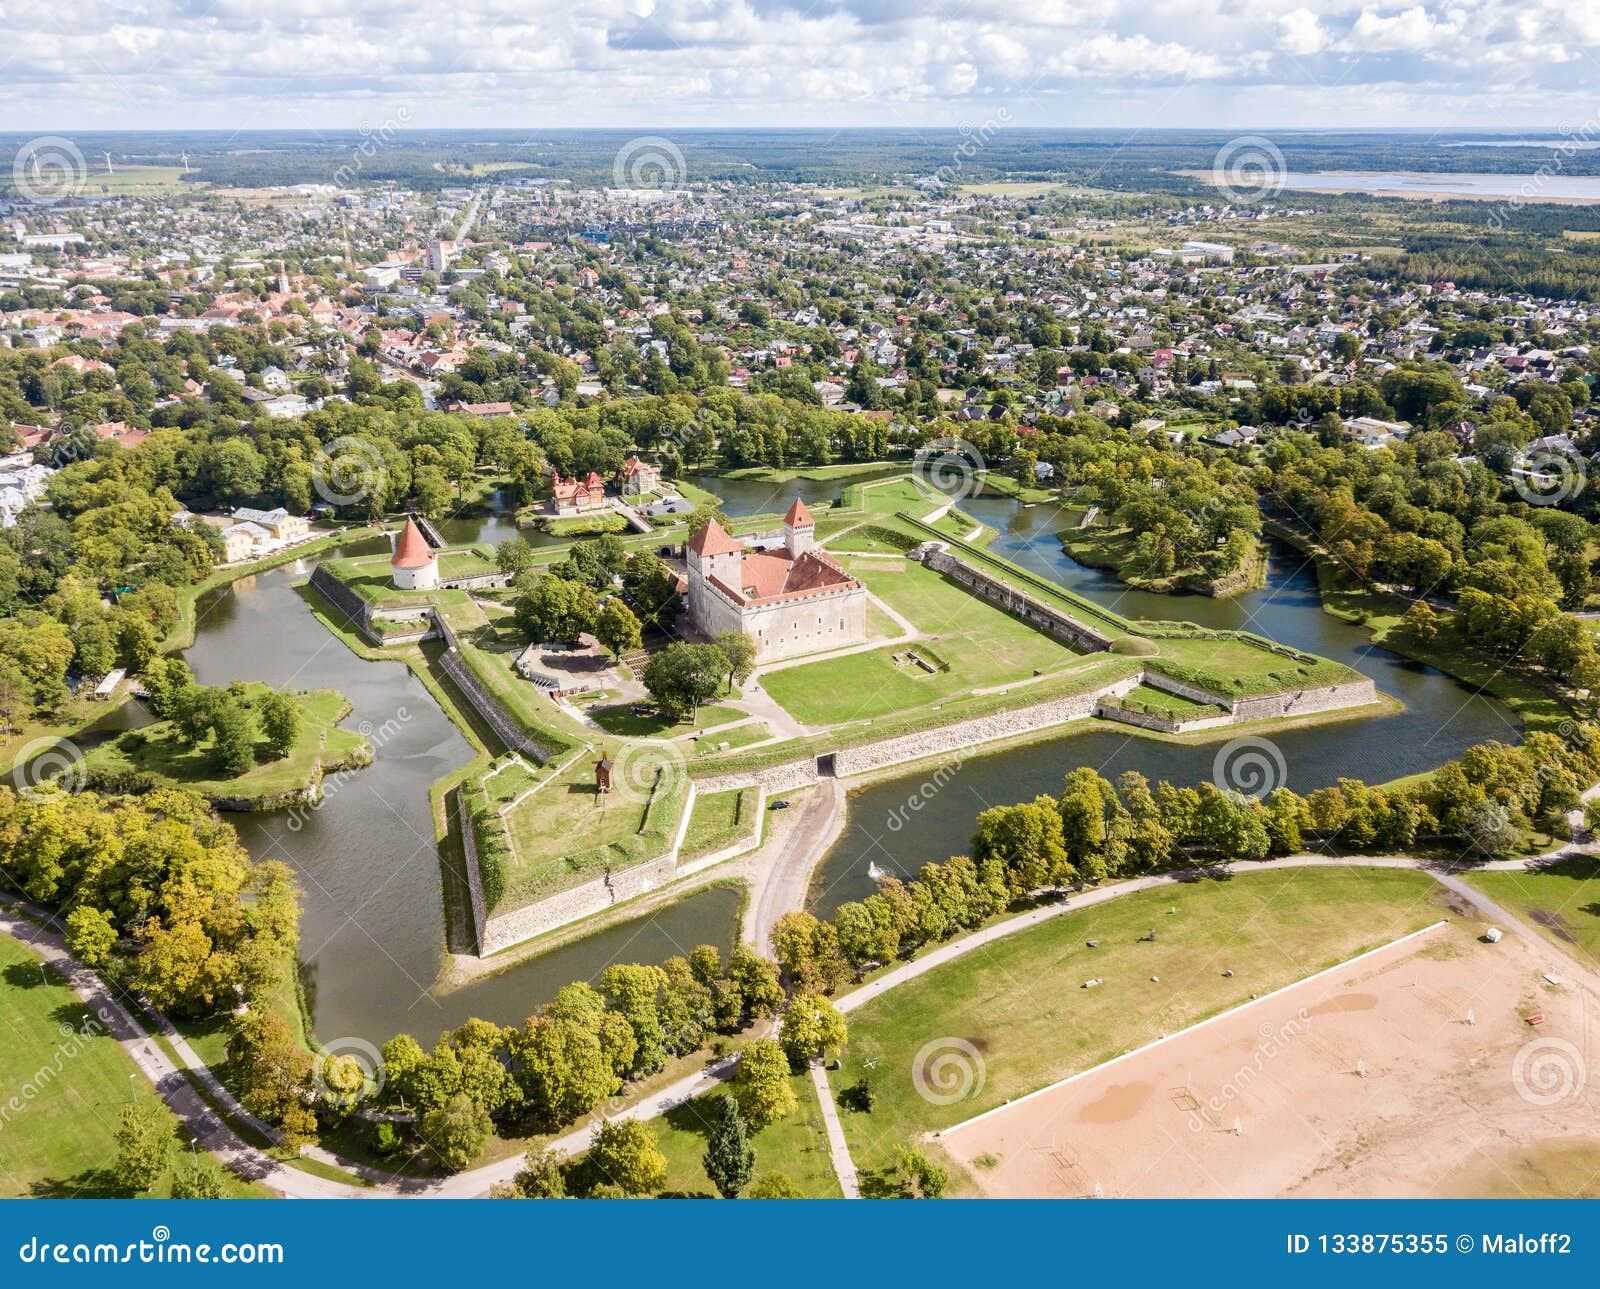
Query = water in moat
x=372 y=937
x=372 y=934
x=895 y=826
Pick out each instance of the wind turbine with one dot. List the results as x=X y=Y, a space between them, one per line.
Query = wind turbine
x=185 y=156
x=109 y=170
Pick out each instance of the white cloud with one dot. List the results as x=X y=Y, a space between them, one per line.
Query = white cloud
x=233 y=63
x=1300 y=33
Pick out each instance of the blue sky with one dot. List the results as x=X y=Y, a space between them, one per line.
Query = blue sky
x=245 y=64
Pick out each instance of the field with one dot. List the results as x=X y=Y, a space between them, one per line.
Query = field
x=1019 y=1006
x=720 y=819
x=979 y=645
x=1406 y=1074
x=70 y=1090
x=567 y=832
x=1561 y=899
x=155 y=749
x=796 y=1146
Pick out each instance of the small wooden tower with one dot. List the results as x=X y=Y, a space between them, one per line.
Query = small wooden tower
x=602 y=774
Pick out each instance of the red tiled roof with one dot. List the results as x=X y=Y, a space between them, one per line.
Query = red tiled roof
x=798 y=516
x=713 y=539
x=412 y=550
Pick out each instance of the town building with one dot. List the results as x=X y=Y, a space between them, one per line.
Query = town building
x=779 y=590
x=640 y=477
x=575 y=497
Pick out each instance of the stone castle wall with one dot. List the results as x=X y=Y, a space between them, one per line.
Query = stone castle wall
x=1049 y=620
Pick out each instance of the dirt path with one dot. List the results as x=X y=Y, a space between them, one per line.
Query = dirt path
x=781 y=880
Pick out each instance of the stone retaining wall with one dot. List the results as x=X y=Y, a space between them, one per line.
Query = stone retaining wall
x=1049 y=620
x=982 y=729
x=773 y=780
x=469 y=847
x=1306 y=702
x=517 y=925
x=340 y=596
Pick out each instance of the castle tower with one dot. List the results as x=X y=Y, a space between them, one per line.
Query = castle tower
x=413 y=566
x=799 y=530
x=711 y=553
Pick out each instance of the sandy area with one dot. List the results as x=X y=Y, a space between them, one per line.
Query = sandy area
x=1370 y=1080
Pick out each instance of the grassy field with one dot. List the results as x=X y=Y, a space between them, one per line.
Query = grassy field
x=156 y=749
x=980 y=644
x=568 y=832
x=1020 y=1006
x=619 y=719
x=1563 y=901
x=719 y=819
x=70 y=1090
x=796 y=1146
x=1233 y=667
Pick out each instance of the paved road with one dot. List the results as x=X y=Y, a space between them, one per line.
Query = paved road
x=843 y=1166
x=217 y=1137
x=781 y=882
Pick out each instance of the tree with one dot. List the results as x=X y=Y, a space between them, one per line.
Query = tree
x=144 y=1145
x=811 y=1027
x=683 y=676
x=761 y=1083
x=273 y=1075
x=740 y=651
x=198 y=1177
x=555 y=610
x=279 y=714
x=625 y=1155
x=914 y=1176
x=541 y=1176
x=616 y=628
x=457 y=1131
x=774 y=1185
x=234 y=749
x=90 y=935
x=513 y=556
x=729 y=1159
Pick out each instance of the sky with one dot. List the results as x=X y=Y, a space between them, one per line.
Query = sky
x=323 y=64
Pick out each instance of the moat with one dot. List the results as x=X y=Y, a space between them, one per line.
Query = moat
x=372 y=936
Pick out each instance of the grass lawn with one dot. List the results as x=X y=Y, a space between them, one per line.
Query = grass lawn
x=738 y=736
x=982 y=645
x=1562 y=900
x=796 y=1146
x=70 y=1090
x=1145 y=698
x=567 y=832
x=1233 y=667
x=891 y=496
x=1020 y=1004
x=720 y=819
x=466 y=561
x=156 y=749
x=619 y=719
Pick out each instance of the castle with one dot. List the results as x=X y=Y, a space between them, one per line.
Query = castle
x=787 y=596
